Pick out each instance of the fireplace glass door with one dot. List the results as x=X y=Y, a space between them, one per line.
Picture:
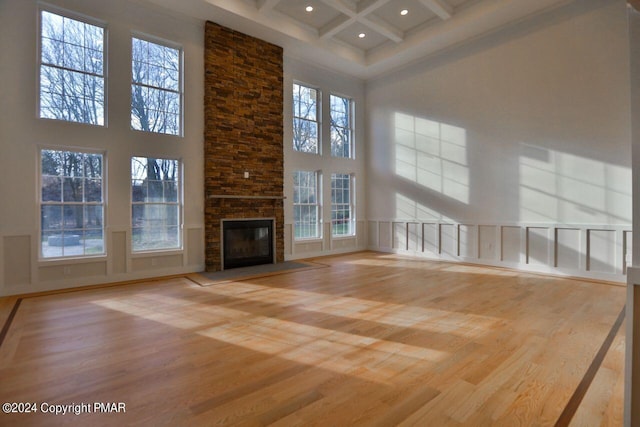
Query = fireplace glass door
x=247 y=243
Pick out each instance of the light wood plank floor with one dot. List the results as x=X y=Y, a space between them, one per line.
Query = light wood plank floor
x=367 y=339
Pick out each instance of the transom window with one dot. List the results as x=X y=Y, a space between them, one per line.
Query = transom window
x=71 y=204
x=156 y=202
x=342 y=218
x=156 y=87
x=341 y=127
x=72 y=79
x=306 y=204
x=305 y=119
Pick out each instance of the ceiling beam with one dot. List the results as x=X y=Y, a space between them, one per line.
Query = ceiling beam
x=362 y=15
x=365 y=7
x=265 y=5
x=440 y=7
x=335 y=26
x=346 y=7
x=383 y=27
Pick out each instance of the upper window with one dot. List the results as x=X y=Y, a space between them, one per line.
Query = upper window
x=156 y=88
x=71 y=69
x=342 y=218
x=305 y=119
x=341 y=127
x=71 y=204
x=155 y=211
x=306 y=204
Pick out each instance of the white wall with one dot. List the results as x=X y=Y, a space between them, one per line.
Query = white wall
x=21 y=133
x=511 y=150
x=327 y=82
x=632 y=308
x=514 y=148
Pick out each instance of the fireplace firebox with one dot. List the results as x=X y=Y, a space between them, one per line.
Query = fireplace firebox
x=247 y=242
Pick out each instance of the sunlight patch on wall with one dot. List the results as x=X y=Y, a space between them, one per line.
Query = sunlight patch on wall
x=432 y=155
x=566 y=188
x=407 y=208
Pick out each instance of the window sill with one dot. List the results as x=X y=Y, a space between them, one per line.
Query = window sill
x=307 y=239
x=72 y=260
x=158 y=252
x=343 y=237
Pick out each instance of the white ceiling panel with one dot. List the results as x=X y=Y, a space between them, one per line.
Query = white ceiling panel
x=328 y=35
x=351 y=35
x=417 y=14
x=320 y=16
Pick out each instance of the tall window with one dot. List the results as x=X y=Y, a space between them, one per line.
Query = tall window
x=341 y=127
x=71 y=204
x=306 y=204
x=156 y=89
x=342 y=217
x=72 y=68
x=305 y=119
x=155 y=196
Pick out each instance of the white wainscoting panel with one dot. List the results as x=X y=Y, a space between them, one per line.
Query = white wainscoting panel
x=119 y=241
x=600 y=252
x=448 y=240
x=362 y=231
x=430 y=239
x=487 y=242
x=467 y=240
x=627 y=256
x=400 y=235
x=372 y=233
x=568 y=248
x=602 y=248
x=511 y=244
x=195 y=246
x=288 y=239
x=384 y=234
x=17 y=260
x=538 y=252
x=414 y=237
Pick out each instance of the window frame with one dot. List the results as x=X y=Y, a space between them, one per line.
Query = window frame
x=41 y=203
x=351 y=206
x=317 y=205
x=351 y=125
x=65 y=13
x=171 y=45
x=179 y=203
x=317 y=121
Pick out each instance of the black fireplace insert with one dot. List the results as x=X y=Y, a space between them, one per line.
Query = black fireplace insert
x=247 y=242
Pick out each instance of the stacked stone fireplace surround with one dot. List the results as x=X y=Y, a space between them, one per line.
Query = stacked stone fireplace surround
x=243 y=133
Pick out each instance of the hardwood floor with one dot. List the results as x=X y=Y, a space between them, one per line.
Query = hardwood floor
x=368 y=339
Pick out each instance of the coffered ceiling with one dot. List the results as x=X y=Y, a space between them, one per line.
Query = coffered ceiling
x=364 y=38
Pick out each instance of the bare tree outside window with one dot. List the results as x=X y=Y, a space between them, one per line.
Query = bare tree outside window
x=341 y=128
x=155 y=197
x=71 y=69
x=306 y=204
x=342 y=205
x=71 y=204
x=155 y=87
x=305 y=119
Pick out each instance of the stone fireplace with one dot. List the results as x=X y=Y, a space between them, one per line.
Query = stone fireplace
x=243 y=138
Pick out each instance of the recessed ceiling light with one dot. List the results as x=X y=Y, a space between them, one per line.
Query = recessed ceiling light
x=309 y=9
x=362 y=35
x=404 y=12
